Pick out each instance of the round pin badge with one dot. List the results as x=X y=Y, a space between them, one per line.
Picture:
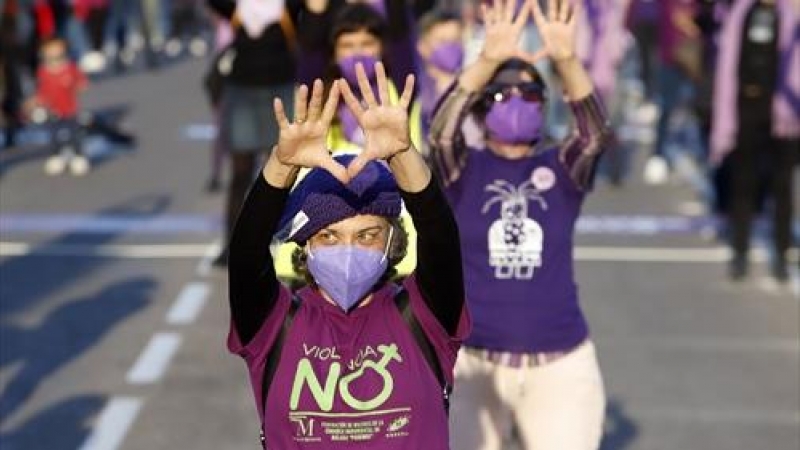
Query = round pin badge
x=543 y=178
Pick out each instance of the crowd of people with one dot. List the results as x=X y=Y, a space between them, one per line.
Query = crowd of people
x=496 y=141
x=50 y=49
x=464 y=137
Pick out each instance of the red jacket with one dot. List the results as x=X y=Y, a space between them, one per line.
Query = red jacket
x=58 y=90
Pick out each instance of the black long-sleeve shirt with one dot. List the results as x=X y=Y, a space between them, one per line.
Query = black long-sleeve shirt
x=265 y=60
x=253 y=284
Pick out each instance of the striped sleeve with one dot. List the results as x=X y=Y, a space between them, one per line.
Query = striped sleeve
x=590 y=137
x=448 y=147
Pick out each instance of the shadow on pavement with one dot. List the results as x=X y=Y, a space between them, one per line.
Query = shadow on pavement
x=27 y=280
x=101 y=126
x=63 y=426
x=620 y=429
x=63 y=336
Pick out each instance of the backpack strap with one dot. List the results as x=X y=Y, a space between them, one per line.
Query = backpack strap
x=274 y=357
x=402 y=301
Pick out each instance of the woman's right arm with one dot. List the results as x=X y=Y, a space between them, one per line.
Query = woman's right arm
x=448 y=149
x=224 y=8
x=503 y=32
x=253 y=285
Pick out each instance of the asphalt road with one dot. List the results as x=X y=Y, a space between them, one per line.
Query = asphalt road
x=112 y=325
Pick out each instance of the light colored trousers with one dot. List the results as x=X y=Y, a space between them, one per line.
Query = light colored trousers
x=557 y=406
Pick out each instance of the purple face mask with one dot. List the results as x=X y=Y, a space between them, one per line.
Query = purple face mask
x=346 y=272
x=515 y=121
x=348 y=67
x=448 y=57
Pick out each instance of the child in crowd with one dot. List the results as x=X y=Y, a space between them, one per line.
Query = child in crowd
x=59 y=84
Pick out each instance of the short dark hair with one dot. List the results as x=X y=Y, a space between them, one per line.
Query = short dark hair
x=397 y=252
x=436 y=17
x=358 y=17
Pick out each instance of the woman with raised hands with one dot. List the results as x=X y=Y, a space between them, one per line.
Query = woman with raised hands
x=353 y=360
x=529 y=360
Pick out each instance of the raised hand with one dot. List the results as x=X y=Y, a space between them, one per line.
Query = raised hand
x=385 y=123
x=302 y=142
x=503 y=31
x=558 y=28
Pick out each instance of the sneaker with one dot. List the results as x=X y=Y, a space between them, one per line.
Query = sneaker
x=55 y=165
x=738 y=268
x=198 y=47
x=656 y=171
x=79 y=165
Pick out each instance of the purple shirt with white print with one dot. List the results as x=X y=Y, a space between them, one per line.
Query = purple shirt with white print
x=516 y=220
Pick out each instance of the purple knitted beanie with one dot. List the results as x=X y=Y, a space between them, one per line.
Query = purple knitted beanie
x=320 y=200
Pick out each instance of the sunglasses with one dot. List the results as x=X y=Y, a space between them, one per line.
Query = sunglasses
x=531 y=91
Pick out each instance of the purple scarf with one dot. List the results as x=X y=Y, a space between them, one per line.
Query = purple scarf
x=785 y=103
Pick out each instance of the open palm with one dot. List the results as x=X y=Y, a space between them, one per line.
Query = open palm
x=302 y=142
x=558 y=28
x=503 y=27
x=385 y=123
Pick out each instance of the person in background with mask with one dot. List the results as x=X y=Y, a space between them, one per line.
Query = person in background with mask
x=441 y=50
x=358 y=36
x=756 y=121
x=261 y=65
x=399 y=34
x=335 y=365
x=529 y=360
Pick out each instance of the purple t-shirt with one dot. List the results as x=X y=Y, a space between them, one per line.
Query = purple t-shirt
x=516 y=221
x=355 y=380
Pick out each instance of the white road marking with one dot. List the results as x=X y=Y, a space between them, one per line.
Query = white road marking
x=204 y=266
x=113 y=423
x=189 y=304
x=153 y=361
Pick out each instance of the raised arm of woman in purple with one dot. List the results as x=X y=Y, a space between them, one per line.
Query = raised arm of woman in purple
x=591 y=133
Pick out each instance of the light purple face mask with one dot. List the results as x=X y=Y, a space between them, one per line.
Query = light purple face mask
x=346 y=272
x=448 y=57
x=515 y=121
x=348 y=67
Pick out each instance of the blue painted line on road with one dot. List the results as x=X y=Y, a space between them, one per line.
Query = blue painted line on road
x=622 y=225
x=89 y=224
x=199 y=132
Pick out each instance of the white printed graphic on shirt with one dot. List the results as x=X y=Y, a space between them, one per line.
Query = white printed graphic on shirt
x=515 y=240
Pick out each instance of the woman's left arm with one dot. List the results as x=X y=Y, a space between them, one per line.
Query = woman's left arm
x=385 y=125
x=592 y=132
x=438 y=272
x=581 y=150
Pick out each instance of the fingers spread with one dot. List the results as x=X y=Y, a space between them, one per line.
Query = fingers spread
x=300 y=104
x=522 y=17
x=280 y=113
x=552 y=10
x=383 y=84
x=315 y=106
x=332 y=103
x=351 y=100
x=536 y=10
x=363 y=85
x=408 y=92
